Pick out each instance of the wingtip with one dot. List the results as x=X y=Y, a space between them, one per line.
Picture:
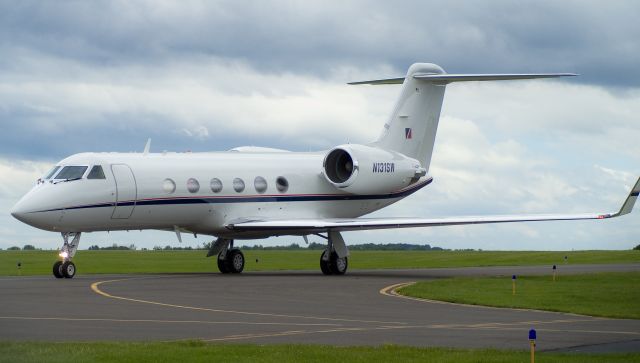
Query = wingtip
x=630 y=202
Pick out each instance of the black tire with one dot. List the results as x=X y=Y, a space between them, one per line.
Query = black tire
x=235 y=261
x=68 y=269
x=57 y=270
x=222 y=264
x=324 y=264
x=337 y=265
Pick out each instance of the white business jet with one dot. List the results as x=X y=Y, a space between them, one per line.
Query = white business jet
x=252 y=192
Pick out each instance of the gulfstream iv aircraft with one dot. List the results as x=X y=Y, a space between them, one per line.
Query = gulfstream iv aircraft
x=251 y=192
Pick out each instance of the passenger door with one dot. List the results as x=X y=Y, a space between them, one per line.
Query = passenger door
x=126 y=191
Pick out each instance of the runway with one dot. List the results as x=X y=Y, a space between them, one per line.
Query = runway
x=294 y=307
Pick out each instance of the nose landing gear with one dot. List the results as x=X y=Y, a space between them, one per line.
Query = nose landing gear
x=66 y=268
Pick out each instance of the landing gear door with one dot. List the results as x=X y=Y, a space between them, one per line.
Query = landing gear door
x=126 y=191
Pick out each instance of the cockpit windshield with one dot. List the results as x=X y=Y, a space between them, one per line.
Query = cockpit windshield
x=51 y=172
x=71 y=172
x=96 y=173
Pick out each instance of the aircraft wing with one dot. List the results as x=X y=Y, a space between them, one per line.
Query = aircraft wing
x=355 y=224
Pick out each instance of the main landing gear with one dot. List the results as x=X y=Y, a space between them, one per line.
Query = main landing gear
x=66 y=268
x=230 y=260
x=334 y=260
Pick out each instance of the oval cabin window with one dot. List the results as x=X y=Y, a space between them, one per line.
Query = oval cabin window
x=238 y=185
x=192 y=185
x=260 y=184
x=282 y=184
x=169 y=186
x=216 y=185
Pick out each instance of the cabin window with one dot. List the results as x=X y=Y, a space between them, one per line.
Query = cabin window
x=192 y=185
x=51 y=172
x=169 y=186
x=260 y=184
x=96 y=173
x=238 y=185
x=72 y=172
x=216 y=185
x=282 y=184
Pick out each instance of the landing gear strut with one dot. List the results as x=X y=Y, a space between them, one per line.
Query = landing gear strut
x=334 y=260
x=230 y=260
x=66 y=268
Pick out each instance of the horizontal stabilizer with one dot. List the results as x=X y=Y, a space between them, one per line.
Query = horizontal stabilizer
x=448 y=78
x=293 y=226
x=380 y=81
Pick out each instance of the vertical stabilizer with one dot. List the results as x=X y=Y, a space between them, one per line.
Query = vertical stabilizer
x=411 y=129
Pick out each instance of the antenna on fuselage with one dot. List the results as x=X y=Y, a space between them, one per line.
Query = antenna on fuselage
x=147 y=146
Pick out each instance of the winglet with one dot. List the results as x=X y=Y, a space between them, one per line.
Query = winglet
x=627 y=207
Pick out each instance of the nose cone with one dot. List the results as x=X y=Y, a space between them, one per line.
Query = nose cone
x=31 y=209
x=19 y=211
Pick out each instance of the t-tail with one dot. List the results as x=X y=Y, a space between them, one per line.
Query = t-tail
x=411 y=129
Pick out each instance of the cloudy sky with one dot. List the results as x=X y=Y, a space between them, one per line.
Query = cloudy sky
x=81 y=76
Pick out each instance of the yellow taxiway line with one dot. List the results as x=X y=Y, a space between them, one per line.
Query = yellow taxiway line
x=95 y=287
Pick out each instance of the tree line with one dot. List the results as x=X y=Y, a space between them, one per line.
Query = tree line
x=293 y=246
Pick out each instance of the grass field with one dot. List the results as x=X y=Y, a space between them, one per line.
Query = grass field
x=613 y=295
x=102 y=262
x=195 y=351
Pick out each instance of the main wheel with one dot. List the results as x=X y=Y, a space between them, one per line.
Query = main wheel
x=222 y=264
x=68 y=269
x=235 y=261
x=324 y=263
x=337 y=265
x=57 y=270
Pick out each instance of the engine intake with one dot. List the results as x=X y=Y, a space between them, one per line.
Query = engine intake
x=339 y=166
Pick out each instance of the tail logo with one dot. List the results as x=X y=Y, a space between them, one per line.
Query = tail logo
x=407 y=133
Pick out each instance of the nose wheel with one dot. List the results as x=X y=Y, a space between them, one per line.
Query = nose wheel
x=57 y=270
x=66 y=268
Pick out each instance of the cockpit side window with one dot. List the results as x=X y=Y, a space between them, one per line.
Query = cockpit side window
x=72 y=172
x=96 y=173
x=51 y=172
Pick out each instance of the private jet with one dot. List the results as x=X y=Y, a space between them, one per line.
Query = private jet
x=255 y=192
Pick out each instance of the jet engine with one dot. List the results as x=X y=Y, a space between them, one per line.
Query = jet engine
x=361 y=169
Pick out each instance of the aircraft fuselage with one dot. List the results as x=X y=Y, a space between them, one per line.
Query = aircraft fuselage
x=195 y=192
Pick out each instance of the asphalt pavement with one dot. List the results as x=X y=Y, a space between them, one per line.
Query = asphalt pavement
x=359 y=308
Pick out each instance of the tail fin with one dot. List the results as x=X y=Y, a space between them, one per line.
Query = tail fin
x=411 y=129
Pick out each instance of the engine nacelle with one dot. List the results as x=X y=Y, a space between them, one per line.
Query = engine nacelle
x=361 y=169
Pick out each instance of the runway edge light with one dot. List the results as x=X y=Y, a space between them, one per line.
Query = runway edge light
x=513 y=284
x=532 y=344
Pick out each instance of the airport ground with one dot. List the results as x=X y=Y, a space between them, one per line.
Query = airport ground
x=353 y=317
